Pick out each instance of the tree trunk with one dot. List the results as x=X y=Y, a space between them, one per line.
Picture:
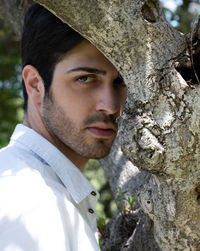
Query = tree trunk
x=13 y=11
x=160 y=128
x=129 y=229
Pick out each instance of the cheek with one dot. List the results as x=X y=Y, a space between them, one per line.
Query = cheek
x=123 y=97
x=76 y=107
x=76 y=103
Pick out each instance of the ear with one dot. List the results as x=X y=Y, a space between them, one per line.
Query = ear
x=34 y=85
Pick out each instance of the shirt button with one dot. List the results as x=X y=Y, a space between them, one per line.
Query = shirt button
x=90 y=210
x=93 y=193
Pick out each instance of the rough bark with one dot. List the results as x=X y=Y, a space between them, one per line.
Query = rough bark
x=129 y=229
x=13 y=11
x=160 y=128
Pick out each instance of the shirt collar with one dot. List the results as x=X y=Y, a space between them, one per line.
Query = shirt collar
x=75 y=182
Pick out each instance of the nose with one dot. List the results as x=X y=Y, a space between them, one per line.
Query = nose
x=108 y=102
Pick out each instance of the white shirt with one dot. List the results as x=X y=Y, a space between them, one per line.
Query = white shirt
x=46 y=204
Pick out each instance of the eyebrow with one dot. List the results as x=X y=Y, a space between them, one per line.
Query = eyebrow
x=88 y=69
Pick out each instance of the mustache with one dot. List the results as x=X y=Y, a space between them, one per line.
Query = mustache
x=100 y=117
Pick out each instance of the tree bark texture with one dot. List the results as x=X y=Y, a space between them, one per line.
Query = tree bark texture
x=13 y=11
x=159 y=131
x=129 y=229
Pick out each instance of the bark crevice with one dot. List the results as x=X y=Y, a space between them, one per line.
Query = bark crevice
x=150 y=11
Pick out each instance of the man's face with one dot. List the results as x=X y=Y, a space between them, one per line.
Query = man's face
x=85 y=98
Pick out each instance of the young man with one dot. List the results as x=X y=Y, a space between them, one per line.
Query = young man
x=72 y=98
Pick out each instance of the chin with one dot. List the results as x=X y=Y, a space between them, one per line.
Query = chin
x=99 y=155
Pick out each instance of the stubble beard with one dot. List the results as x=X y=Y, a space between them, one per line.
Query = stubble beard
x=66 y=134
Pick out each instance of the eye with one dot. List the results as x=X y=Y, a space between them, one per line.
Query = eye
x=85 y=79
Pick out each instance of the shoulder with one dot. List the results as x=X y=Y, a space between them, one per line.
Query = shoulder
x=22 y=181
x=36 y=209
x=21 y=189
x=29 y=213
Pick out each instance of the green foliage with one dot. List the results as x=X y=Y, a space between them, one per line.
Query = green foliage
x=184 y=16
x=11 y=101
x=101 y=223
x=131 y=202
x=127 y=205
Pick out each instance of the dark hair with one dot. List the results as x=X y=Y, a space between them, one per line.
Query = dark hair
x=45 y=41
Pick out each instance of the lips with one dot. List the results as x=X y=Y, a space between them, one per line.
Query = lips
x=100 y=132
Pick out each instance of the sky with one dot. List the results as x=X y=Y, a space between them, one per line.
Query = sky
x=171 y=4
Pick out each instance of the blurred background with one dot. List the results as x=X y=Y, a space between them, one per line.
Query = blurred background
x=182 y=14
